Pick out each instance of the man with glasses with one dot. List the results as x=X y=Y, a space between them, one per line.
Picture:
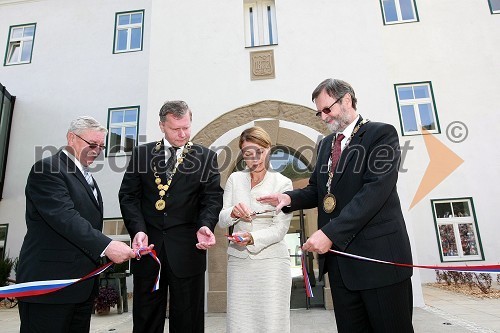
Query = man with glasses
x=64 y=213
x=354 y=187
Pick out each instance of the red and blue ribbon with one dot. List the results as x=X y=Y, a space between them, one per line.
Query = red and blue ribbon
x=36 y=288
x=466 y=268
x=307 y=283
x=156 y=286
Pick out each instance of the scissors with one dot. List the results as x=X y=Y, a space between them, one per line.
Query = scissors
x=256 y=213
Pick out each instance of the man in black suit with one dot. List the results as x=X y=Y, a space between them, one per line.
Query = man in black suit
x=64 y=240
x=170 y=197
x=359 y=213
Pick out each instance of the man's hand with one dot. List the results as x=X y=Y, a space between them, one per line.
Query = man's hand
x=140 y=240
x=278 y=200
x=206 y=238
x=119 y=252
x=318 y=242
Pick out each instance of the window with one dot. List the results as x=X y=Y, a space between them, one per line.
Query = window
x=20 y=45
x=495 y=6
x=6 y=109
x=129 y=27
x=399 y=11
x=458 y=236
x=4 y=228
x=116 y=230
x=260 y=23
x=417 y=109
x=123 y=124
x=285 y=161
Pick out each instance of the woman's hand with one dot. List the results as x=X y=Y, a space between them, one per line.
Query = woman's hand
x=242 y=212
x=242 y=238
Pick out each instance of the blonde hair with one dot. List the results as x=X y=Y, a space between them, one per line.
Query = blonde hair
x=255 y=135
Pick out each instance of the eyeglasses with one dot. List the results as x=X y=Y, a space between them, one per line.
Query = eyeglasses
x=92 y=145
x=328 y=109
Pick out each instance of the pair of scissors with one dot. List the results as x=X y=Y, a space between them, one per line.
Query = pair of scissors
x=256 y=213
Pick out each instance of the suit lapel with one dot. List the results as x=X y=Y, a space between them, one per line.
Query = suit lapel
x=158 y=162
x=73 y=169
x=181 y=169
x=349 y=152
x=99 y=197
x=324 y=153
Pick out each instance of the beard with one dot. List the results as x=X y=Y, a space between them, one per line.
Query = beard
x=340 y=123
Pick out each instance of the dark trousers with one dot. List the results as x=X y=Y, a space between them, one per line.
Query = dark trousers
x=381 y=310
x=55 y=318
x=186 y=304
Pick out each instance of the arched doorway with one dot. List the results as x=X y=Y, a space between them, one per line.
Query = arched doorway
x=293 y=151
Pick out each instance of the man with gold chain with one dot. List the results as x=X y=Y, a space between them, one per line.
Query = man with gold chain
x=170 y=198
x=354 y=187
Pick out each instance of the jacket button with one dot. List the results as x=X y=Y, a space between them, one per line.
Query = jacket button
x=165 y=214
x=164 y=232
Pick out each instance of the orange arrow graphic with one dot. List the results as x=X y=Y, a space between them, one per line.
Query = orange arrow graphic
x=442 y=162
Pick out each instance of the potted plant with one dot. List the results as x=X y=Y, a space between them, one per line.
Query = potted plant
x=106 y=298
x=6 y=265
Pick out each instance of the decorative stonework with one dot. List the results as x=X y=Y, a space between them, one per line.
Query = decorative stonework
x=265 y=109
x=262 y=65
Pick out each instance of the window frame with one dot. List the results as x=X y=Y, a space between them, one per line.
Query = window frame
x=492 y=11
x=21 y=40
x=123 y=126
x=398 y=9
x=262 y=28
x=432 y=102
x=129 y=34
x=4 y=250
x=121 y=238
x=4 y=140
x=455 y=221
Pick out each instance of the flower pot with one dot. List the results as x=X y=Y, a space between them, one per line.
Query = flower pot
x=103 y=311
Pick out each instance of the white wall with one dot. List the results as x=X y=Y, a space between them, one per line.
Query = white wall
x=73 y=72
x=194 y=50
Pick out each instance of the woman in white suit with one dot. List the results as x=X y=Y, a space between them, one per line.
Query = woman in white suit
x=258 y=272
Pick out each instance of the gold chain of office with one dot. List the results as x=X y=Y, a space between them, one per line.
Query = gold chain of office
x=163 y=188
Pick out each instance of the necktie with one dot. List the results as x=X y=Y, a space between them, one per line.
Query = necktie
x=90 y=180
x=337 y=150
x=172 y=158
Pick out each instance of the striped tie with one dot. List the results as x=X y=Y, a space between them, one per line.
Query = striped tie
x=90 y=180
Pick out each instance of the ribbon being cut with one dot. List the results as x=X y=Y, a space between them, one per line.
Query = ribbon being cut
x=36 y=288
x=44 y=287
x=465 y=268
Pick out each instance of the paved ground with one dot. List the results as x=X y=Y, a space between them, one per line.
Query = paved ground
x=444 y=312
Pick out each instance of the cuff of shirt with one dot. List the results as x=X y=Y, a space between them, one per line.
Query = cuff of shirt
x=104 y=251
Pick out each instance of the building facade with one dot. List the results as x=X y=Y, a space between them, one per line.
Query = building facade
x=425 y=67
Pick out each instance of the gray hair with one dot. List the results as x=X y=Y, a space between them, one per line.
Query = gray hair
x=336 y=89
x=178 y=109
x=84 y=123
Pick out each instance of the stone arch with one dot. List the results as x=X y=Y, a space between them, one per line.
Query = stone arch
x=265 y=109
x=267 y=115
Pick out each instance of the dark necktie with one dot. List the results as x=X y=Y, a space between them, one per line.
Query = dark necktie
x=172 y=158
x=337 y=150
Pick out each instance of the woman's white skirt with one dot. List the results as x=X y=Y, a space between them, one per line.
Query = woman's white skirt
x=258 y=295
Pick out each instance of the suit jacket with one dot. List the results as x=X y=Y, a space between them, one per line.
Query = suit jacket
x=64 y=221
x=269 y=230
x=193 y=200
x=367 y=220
